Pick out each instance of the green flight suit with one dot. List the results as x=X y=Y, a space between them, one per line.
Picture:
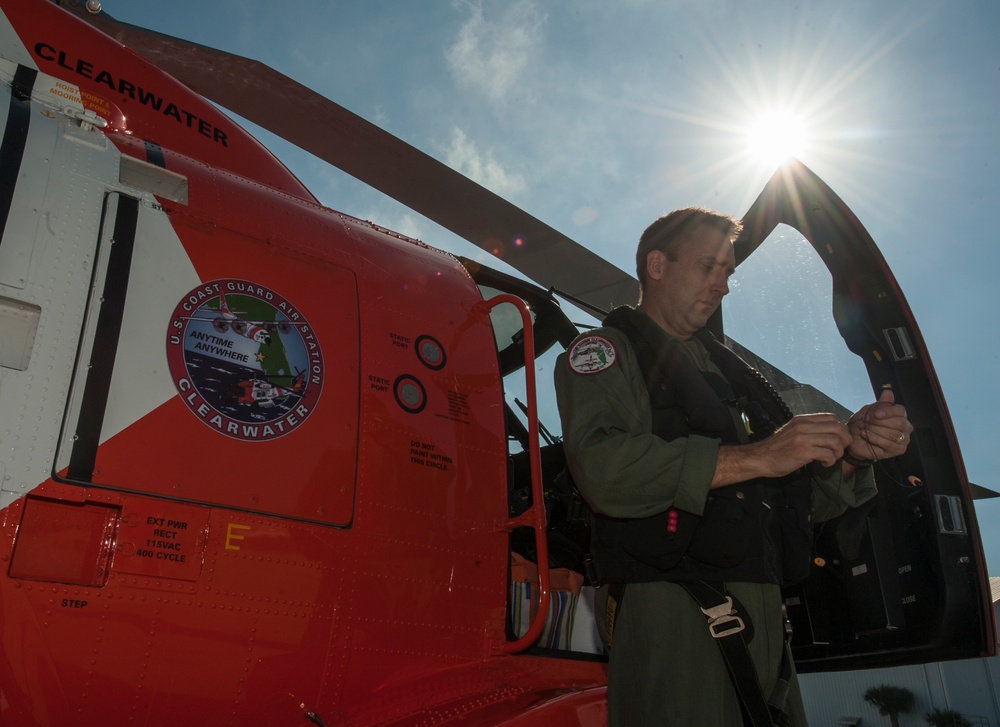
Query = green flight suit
x=664 y=667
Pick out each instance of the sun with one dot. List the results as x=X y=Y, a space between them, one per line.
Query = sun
x=773 y=136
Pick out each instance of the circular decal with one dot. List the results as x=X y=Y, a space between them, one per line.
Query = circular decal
x=244 y=359
x=430 y=353
x=592 y=354
x=410 y=394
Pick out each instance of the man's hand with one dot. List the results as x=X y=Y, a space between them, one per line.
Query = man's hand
x=880 y=430
x=806 y=438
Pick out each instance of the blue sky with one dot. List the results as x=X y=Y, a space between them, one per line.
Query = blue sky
x=598 y=116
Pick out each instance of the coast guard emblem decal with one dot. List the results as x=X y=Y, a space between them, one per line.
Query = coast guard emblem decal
x=244 y=360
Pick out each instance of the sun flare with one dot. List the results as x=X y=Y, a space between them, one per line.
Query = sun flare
x=774 y=136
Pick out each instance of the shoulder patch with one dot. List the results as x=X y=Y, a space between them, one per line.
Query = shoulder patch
x=592 y=354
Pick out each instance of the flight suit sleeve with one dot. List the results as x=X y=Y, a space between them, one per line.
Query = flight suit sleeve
x=620 y=467
x=832 y=494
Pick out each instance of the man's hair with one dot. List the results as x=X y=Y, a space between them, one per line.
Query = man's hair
x=668 y=232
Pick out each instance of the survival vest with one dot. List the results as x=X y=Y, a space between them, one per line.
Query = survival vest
x=758 y=531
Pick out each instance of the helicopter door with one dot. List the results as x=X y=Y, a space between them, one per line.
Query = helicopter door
x=815 y=307
x=237 y=391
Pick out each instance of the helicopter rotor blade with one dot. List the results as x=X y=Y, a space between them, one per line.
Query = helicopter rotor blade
x=327 y=130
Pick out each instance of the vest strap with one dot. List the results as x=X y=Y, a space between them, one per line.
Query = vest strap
x=728 y=627
x=732 y=630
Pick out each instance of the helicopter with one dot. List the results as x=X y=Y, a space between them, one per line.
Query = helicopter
x=257 y=331
x=265 y=393
x=388 y=545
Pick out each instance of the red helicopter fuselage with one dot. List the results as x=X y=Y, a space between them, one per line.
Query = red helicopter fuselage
x=172 y=557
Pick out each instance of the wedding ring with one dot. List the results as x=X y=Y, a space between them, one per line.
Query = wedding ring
x=900 y=438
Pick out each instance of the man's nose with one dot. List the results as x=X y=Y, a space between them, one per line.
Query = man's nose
x=721 y=283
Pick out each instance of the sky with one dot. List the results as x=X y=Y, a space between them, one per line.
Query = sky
x=597 y=116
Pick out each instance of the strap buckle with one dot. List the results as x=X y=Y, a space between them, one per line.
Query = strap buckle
x=723 y=620
x=789 y=631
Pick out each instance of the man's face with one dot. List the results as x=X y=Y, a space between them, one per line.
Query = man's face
x=682 y=294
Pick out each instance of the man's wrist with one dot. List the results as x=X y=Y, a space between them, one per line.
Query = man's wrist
x=855 y=462
x=738 y=463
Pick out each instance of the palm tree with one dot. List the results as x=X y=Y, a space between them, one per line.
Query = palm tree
x=946 y=718
x=891 y=701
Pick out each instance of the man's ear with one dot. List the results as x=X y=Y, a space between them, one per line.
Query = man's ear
x=656 y=263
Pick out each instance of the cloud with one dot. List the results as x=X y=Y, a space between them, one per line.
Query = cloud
x=463 y=156
x=491 y=54
x=584 y=216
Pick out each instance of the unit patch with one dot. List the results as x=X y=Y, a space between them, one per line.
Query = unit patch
x=244 y=360
x=592 y=354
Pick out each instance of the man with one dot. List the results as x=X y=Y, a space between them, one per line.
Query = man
x=696 y=471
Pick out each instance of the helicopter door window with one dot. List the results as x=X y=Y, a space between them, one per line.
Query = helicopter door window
x=548 y=414
x=780 y=309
